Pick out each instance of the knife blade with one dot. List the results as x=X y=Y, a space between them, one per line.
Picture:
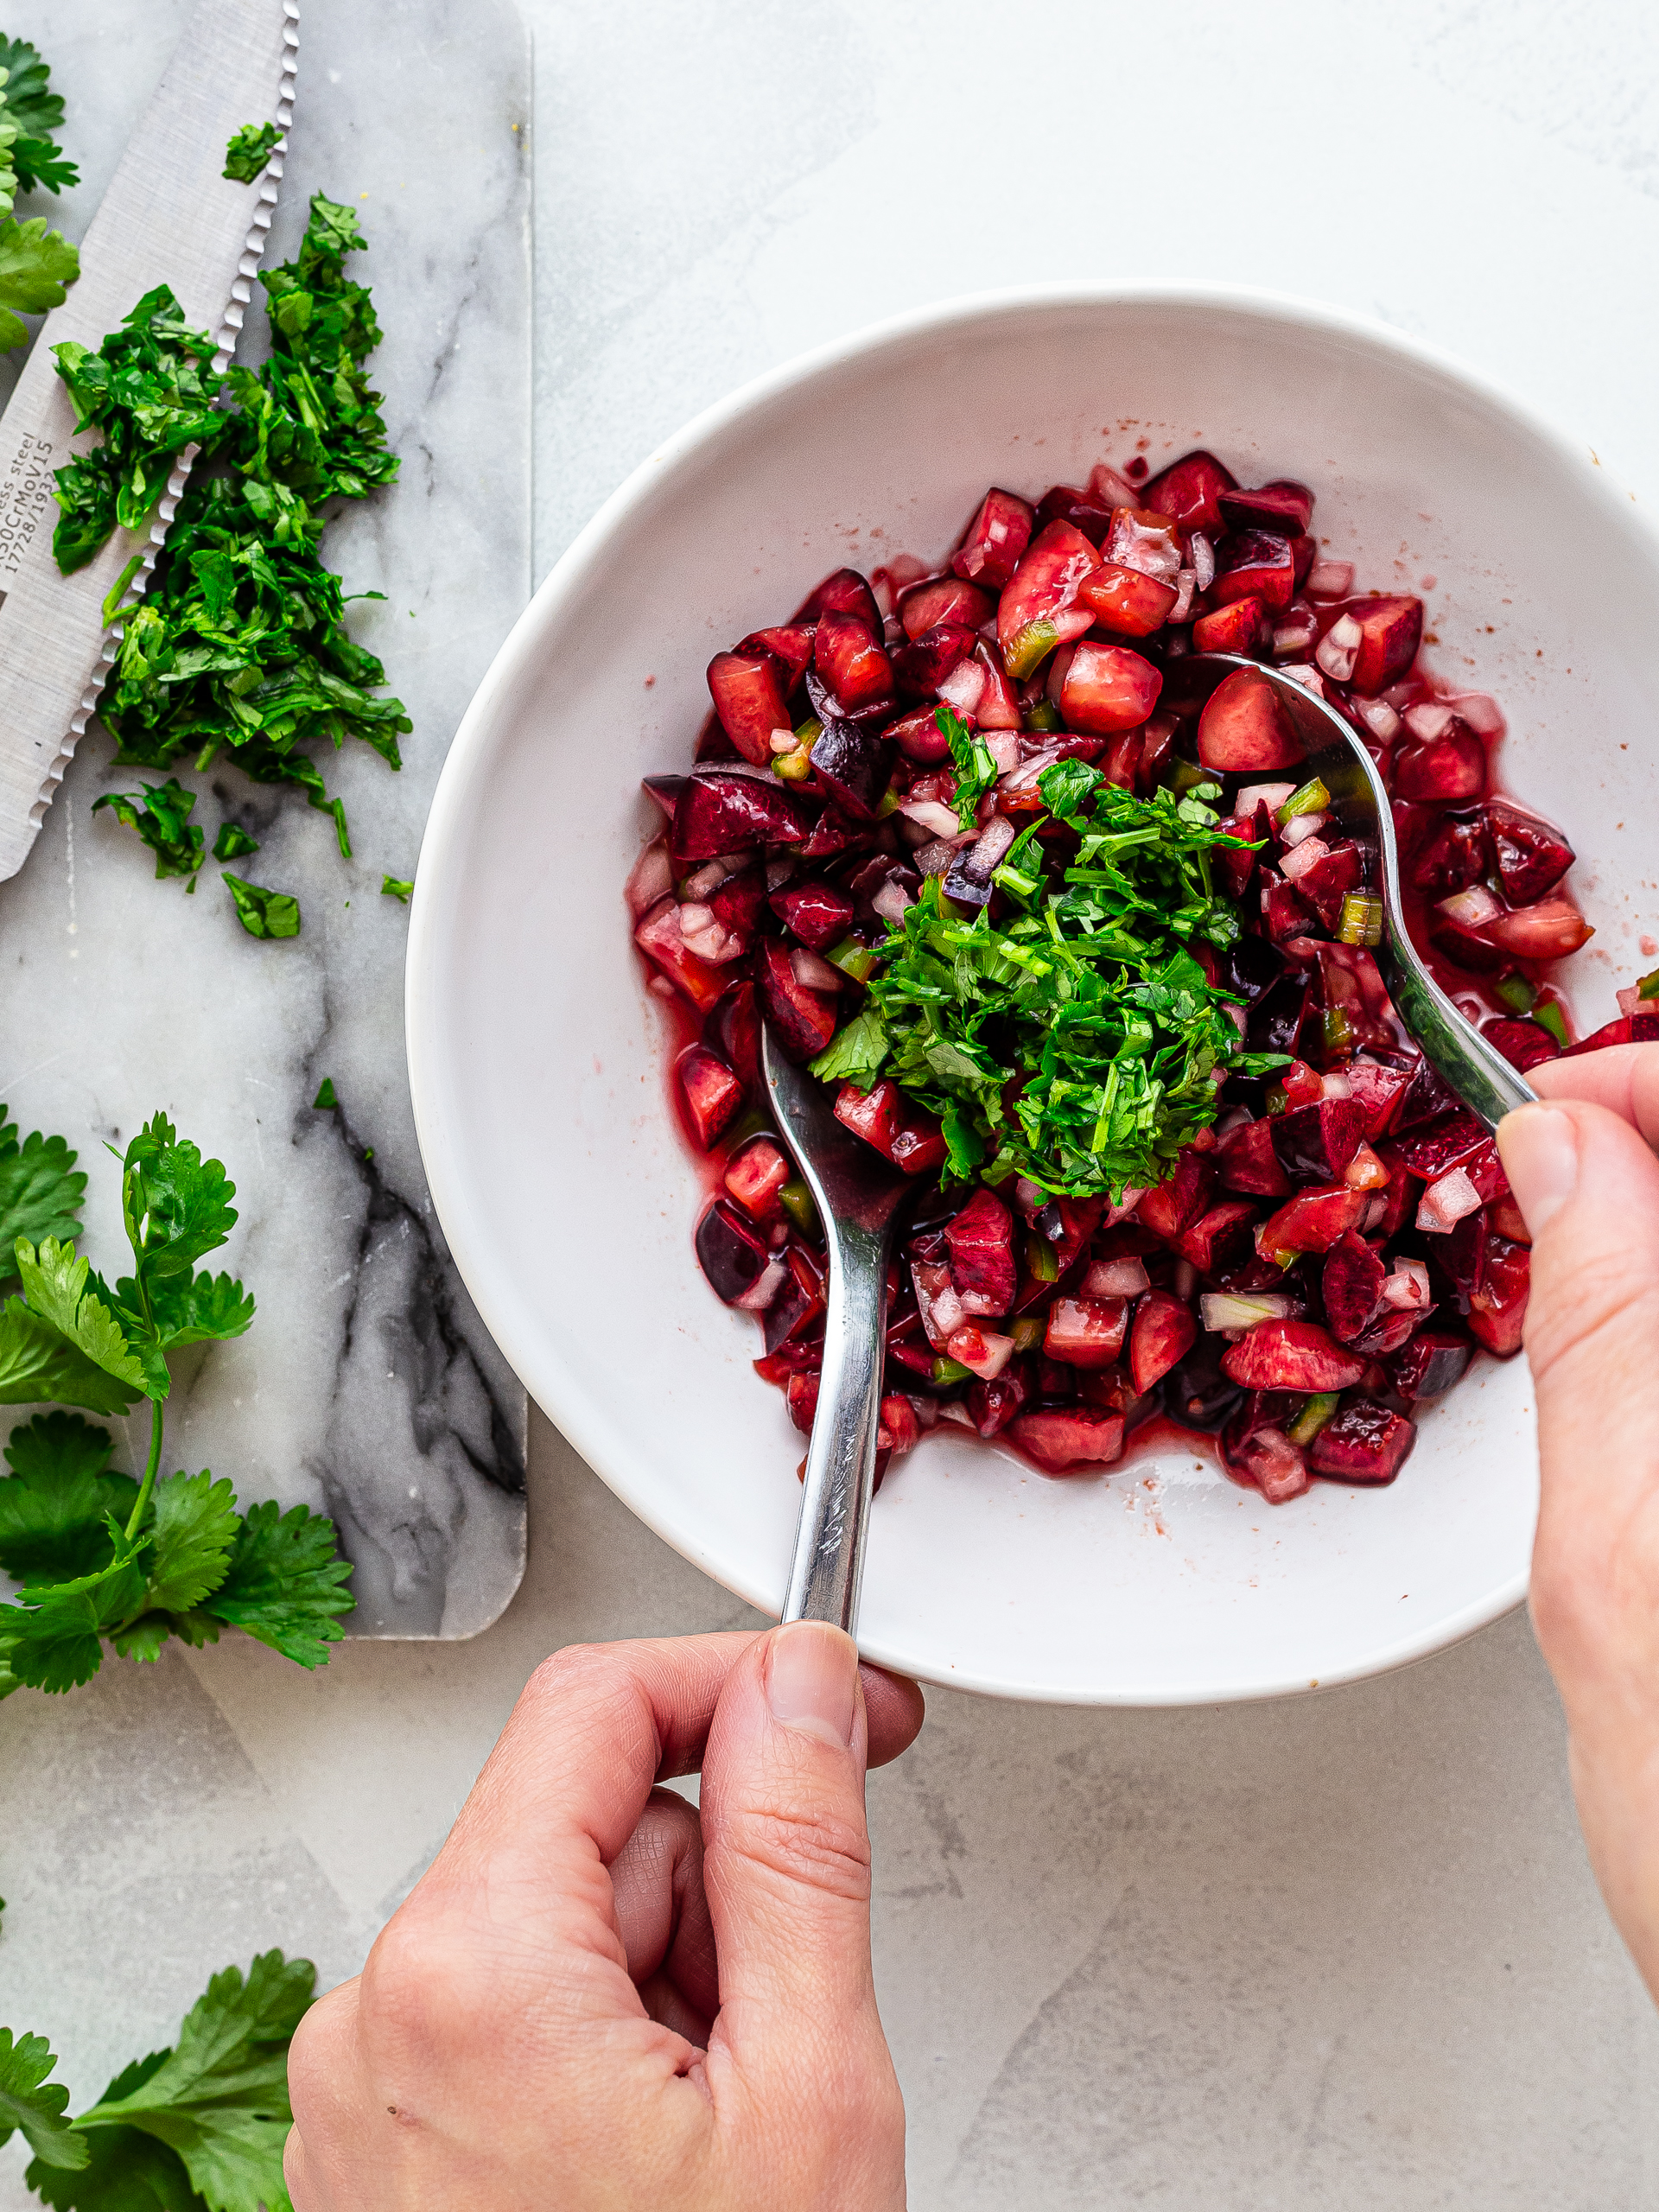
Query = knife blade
x=169 y=217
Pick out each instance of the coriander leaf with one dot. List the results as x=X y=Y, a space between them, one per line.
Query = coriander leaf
x=233 y=842
x=1065 y=786
x=53 y=1506
x=193 y=1525
x=262 y=912
x=326 y=1098
x=163 y=823
x=220 y=2099
x=41 y=1193
x=50 y=1638
x=976 y=769
x=397 y=887
x=29 y=2101
x=36 y=112
x=128 y=2172
x=286 y=1583
x=177 y=1205
x=37 y=1364
x=856 y=1050
x=205 y=1309
x=249 y=151
x=36 y=268
x=55 y=1289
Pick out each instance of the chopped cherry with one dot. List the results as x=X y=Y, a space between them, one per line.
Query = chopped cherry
x=804 y=1018
x=1390 y=631
x=981 y=1238
x=851 y=661
x=1291 y=1356
x=1240 y=626
x=854 y=766
x=1364 y=1442
x=723 y=812
x=1255 y=564
x=733 y=1254
x=1109 y=688
x=1532 y=858
x=791 y=643
x=1548 y=931
x=1169 y=1206
x=1164 y=1332
x=1086 y=1331
x=1282 y=506
x=946 y=599
x=1060 y=1441
x=818 y=913
x=750 y=692
x=843 y=592
x=1351 y=1286
x=1498 y=1312
x=1311 y=1222
x=1446 y=770
x=1523 y=1044
x=1038 y=609
x=1189 y=491
x=713 y=1094
x=1431 y=1363
x=1127 y=599
x=995 y=541
x=1249 y=1160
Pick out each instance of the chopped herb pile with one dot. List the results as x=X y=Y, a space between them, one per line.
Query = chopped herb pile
x=102 y=1556
x=161 y=814
x=197 y=2127
x=970 y=756
x=1076 y=1043
x=29 y=112
x=238 y=646
x=248 y=151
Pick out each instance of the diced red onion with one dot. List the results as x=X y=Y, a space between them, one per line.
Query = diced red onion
x=998 y=834
x=1339 y=649
x=1024 y=777
x=1428 y=719
x=765 y=1287
x=650 y=879
x=1336 y=1085
x=1116 y=1278
x=891 y=900
x=779 y=869
x=1329 y=579
x=812 y=972
x=953 y=1409
x=1272 y=796
x=1300 y=828
x=1297 y=861
x=1109 y=489
x=965 y=687
x=1203 y=556
x=1481 y=711
x=935 y=859
x=1407 y=1288
x=1223 y=1310
x=1304 y=673
x=663 y=987
x=1003 y=745
x=1473 y=908
x=1130 y=1200
x=1184 y=583
x=1445 y=1203
x=1379 y=718
x=784 y=740
x=1631 y=1001
x=710 y=877
x=926 y=1409
x=1295 y=637
x=931 y=814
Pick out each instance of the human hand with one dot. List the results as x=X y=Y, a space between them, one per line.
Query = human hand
x=592 y=1999
x=1588 y=1185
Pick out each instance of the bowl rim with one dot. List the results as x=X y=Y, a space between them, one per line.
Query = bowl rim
x=554 y=1380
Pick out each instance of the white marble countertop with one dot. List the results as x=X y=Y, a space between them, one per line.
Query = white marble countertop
x=1336 y=1953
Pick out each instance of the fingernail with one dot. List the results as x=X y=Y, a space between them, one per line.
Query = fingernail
x=812 y=1681
x=1540 y=1149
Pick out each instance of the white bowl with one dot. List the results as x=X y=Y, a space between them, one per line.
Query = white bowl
x=537 y=1052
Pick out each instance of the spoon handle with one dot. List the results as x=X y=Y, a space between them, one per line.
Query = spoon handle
x=829 y=1563
x=1476 y=1071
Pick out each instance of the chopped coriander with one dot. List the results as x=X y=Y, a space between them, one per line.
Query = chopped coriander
x=397 y=887
x=262 y=912
x=150 y=390
x=40 y=1191
x=976 y=769
x=161 y=815
x=327 y=1099
x=233 y=842
x=249 y=151
x=1076 y=1043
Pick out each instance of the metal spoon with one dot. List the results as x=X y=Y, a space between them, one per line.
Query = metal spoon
x=1479 y=1074
x=857 y=1199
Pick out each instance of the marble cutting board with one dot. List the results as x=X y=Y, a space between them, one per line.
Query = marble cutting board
x=367 y=1386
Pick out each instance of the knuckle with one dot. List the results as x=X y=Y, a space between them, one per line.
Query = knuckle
x=807 y=1844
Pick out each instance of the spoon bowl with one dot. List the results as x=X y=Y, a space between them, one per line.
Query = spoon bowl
x=1334 y=751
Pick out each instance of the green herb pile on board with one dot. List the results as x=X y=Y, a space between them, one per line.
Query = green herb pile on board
x=196 y=2129
x=238 y=648
x=36 y=264
x=105 y=1557
x=1077 y=1041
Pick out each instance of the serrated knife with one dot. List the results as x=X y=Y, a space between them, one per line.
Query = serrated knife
x=169 y=217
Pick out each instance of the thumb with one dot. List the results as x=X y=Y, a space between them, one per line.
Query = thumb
x=787 y=1865
x=1589 y=1188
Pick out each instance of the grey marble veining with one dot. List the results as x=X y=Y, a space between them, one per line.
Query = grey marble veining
x=367 y=1386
